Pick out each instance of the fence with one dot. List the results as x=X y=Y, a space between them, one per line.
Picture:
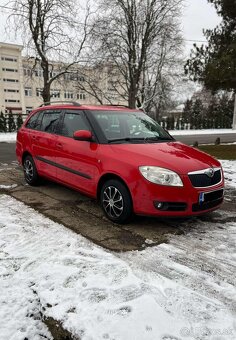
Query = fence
x=197 y=123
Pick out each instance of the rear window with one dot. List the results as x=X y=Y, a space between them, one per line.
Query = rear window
x=35 y=121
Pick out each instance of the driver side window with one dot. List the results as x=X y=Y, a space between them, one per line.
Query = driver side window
x=73 y=121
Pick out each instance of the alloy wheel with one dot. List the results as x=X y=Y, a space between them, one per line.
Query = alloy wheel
x=29 y=170
x=112 y=202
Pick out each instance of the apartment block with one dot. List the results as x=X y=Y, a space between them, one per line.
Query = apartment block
x=21 y=82
x=11 y=78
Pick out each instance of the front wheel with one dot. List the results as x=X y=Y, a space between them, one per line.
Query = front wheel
x=30 y=171
x=116 y=201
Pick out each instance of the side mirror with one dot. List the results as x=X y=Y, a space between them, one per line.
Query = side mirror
x=83 y=135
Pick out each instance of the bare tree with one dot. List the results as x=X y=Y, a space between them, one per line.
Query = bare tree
x=51 y=34
x=102 y=81
x=141 y=39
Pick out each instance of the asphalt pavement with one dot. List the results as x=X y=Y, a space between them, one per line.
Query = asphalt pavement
x=7 y=152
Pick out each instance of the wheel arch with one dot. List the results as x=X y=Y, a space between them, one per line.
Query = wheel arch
x=25 y=154
x=108 y=176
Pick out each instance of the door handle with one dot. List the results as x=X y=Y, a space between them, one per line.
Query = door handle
x=35 y=137
x=59 y=145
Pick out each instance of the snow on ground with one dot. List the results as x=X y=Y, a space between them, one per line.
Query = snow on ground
x=12 y=186
x=229 y=172
x=8 y=137
x=201 y=132
x=182 y=290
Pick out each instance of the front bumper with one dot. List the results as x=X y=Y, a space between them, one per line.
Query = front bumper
x=156 y=200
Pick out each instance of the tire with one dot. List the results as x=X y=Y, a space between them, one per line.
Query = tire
x=116 y=201
x=30 y=171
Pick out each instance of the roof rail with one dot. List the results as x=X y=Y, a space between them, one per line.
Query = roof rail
x=118 y=105
x=61 y=101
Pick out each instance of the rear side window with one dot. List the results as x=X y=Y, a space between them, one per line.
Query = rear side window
x=73 y=122
x=50 y=121
x=35 y=121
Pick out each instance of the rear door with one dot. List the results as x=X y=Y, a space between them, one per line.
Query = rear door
x=77 y=160
x=29 y=135
x=45 y=143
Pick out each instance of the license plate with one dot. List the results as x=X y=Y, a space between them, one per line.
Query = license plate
x=201 y=197
x=210 y=196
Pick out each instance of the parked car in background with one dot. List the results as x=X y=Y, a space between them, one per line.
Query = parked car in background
x=121 y=157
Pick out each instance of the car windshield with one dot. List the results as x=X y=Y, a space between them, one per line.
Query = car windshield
x=127 y=127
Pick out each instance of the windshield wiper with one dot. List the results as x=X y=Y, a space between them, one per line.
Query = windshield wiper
x=156 y=139
x=145 y=139
x=126 y=139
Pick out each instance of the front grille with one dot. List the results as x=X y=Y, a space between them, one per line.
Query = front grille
x=211 y=200
x=201 y=180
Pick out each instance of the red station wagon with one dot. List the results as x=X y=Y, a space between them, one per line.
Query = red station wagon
x=121 y=157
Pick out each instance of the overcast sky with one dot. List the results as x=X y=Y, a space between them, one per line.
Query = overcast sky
x=197 y=14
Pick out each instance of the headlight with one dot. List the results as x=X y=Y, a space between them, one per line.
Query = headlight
x=161 y=176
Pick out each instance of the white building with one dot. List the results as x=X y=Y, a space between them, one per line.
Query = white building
x=21 y=82
x=12 y=95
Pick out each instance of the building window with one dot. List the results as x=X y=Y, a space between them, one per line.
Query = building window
x=28 y=91
x=68 y=95
x=81 y=78
x=9 y=69
x=55 y=93
x=53 y=74
x=11 y=80
x=29 y=109
x=81 y=96
x=39 y=92
x=11 y=90
x=11 y=101
x=38 y=72
x=9 y=59
x=67 y=76
x=27 y=72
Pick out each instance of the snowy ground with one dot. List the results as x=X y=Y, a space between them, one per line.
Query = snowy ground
x=181 y=290
x=8 y=137
x=229 y=173
x=11 y=137
x=200 y=132
x=176 y=291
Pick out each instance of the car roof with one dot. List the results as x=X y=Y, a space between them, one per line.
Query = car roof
x=85 y=107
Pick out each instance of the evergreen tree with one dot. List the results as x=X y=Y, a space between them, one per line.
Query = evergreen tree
x=215 y=64
x=187 y=111
x=19 y=121
x=212 y=109
x=172 y=123
x=177 y=126
x=3 y=123
x=11 y=123
x=197 y=109
x=226 y=107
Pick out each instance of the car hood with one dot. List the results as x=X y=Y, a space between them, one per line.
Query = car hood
x=175 y=156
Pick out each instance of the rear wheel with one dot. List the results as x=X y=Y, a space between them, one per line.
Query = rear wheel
x=116 y=201
x=30 y=171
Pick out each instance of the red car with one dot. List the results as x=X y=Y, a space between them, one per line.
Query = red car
x=120 y=156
